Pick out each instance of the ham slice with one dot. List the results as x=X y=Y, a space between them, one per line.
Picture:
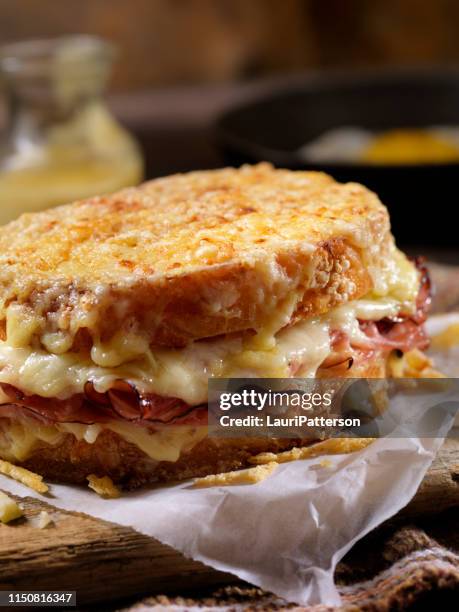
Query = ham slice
x=122 y=402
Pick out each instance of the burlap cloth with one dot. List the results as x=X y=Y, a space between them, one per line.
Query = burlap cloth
x=399 y=566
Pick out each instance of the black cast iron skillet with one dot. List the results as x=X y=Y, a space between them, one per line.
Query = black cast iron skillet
x=422 y=199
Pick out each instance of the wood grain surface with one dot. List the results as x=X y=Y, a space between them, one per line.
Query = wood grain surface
x=103 y=561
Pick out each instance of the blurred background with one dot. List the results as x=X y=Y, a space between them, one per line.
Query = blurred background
x=177 y=42
x=185 y=69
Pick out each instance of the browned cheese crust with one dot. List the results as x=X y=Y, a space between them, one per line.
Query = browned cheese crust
x=192 y=256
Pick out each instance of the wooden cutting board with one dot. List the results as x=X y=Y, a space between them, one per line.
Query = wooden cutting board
x=103 y=561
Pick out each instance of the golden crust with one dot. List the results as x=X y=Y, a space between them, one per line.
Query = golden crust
x=194 y=255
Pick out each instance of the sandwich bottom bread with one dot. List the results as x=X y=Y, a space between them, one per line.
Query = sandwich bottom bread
x=115 y=312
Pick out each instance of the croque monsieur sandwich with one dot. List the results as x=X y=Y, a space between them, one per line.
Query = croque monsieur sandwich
x=116 y=310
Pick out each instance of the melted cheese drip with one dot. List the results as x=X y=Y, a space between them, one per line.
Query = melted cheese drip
x=398 y=279
x=19 y=439
x=184 y=372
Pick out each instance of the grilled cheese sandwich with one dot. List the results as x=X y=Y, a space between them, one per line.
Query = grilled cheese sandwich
x=117 y=310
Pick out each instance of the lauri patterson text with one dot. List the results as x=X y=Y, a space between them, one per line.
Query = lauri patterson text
x=295 y=421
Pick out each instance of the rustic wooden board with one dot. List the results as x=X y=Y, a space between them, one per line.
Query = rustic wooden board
x=103 y=561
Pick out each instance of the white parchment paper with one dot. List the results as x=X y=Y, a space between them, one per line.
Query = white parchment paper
x=287 y=533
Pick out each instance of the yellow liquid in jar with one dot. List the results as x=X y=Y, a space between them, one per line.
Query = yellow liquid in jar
x=72 y=171
x=33 y=189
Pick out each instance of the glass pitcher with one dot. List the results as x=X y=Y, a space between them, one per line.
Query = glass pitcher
x=61 y=143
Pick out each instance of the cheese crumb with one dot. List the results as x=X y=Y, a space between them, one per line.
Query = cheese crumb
x=249 y=476
x=26 y=477
x=103 y=486
x=333 y=446
x=9 y=510
x=44 y=519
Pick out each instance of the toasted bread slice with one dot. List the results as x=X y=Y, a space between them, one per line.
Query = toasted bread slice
x=190 y=256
